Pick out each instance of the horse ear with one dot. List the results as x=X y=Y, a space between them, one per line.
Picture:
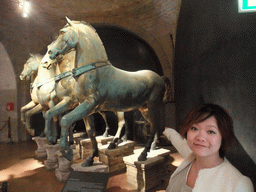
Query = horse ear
x=52 y=38
x=69 y=21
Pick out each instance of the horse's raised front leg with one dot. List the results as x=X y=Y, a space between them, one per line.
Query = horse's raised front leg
x=90 y=129
x=23 y=109
x=50 y=129
x=121 y=121
x=37 y=109
x=81 y=111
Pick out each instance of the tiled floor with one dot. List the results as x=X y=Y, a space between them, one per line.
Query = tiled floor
x=25 y=173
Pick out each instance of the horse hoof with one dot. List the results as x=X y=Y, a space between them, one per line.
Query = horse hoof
x=68 y=154
x=142 y=157
x=119 y=141
x=32 y=132
x=153 y=146
x=87 y=163
x=112 y=146
x=52 y=140
x=124 y=139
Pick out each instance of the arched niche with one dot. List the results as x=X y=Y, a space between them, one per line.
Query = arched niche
x=8 y=92
x=128 y=51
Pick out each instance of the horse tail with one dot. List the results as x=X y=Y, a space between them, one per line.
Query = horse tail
x=168 y=90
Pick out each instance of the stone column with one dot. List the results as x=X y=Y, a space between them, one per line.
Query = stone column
x=41 y=151
x=52 y=159
x=63 y=171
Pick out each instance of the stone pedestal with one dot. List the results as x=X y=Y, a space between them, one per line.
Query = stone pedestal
x=41 y=151
x=76 y=154
x=96 y=167
x=64 y=169
x=113 y=158
x=86 y=145
x=52 y=159
x=146 y=175
x=77 y=138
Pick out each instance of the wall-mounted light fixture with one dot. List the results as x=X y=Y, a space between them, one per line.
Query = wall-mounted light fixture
x=246 y=6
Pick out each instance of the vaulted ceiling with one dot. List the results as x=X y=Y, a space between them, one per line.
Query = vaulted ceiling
x=153 y=20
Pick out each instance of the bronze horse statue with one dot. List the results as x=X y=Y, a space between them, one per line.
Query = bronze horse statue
x=65 y=79
x=40 y=86
x=100 y=86
x=35 y=105
x=29 y=72
x=41 y=104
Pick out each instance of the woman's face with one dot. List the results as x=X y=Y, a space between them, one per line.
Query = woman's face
x=204 y=138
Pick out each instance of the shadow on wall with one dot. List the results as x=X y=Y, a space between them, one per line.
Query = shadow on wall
x=237 y=155
x=215 y=58
x=8 y=94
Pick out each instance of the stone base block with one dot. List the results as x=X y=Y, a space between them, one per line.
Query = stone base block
x=75 y=150
x=146 y=175
x=86 y=145
x=96 y=167
x=52 y=159
x=61 y=175
x=51 y=164
x=40 y=154
x=41 y=151
x=77 y=138
x=113 y=158
x=64 y=168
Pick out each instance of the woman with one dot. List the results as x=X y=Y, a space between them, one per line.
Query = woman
x=208 y=131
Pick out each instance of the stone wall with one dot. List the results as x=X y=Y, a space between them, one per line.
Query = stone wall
x=215 y=63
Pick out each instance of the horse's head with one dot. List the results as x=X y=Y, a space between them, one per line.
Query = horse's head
x=67 y=39
x=30 y=67
x=47 y=62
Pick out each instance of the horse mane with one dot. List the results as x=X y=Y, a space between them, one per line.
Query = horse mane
x=82 y=22
x=36 y=56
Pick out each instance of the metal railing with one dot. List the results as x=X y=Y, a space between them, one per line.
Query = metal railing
x=8 y=125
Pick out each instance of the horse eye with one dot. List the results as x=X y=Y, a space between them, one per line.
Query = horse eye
x=50 y=52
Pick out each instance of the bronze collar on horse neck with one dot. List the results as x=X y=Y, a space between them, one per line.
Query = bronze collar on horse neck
x=74 y=73
x=88 y=67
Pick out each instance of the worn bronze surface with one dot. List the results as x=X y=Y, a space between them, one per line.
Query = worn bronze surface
x=107 y=88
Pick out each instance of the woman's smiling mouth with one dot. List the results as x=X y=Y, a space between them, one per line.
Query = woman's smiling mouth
x=200 y=145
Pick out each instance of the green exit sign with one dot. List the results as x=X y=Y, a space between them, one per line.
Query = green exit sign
x=247 y=6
